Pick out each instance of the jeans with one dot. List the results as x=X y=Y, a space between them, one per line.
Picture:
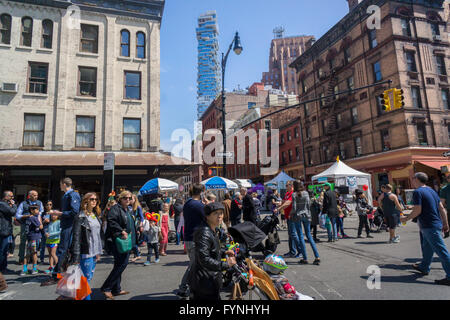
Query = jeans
x=112 y=283
x=190 y=247
x=176 y=231
x=63 y=246
x=155 y=248
x=296 y=236
x=332 y=232
x=88 y=267
x=363 y=222
x=432 y=242
x=291 y=241
x=307 y=228
x=340 y=225
x=4 y=245
x=42 y=253
x=23 y=243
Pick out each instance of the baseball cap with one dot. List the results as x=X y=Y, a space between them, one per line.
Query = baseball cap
x=213 y=206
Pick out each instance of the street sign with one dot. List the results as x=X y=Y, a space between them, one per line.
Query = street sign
x=109 y=159
x=225 y=154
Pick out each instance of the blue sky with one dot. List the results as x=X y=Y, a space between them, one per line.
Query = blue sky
x=254 y=20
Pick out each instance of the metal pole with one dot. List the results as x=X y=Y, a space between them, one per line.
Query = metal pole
x=224 y=129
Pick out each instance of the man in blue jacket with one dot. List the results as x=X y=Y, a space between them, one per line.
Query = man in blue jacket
x=70 y=207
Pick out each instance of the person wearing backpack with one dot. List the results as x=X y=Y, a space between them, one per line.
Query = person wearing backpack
x=301 y=216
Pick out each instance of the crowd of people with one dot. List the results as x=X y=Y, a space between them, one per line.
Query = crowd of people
x=81 y=231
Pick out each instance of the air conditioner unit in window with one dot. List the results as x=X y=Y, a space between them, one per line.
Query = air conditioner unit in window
x=9 y=87
x=437 y=37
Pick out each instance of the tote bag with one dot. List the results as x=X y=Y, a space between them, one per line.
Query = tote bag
x=124 y=246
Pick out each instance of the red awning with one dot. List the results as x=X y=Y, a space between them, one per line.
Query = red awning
x=435 y=164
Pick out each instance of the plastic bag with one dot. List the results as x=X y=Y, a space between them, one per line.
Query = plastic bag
x=69 y=283
x=322 y=221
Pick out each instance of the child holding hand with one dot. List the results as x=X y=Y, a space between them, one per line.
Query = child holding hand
x=152 y=230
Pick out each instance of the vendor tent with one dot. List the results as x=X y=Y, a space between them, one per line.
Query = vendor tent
x=279 y=182
x=343 y=175
x=245 y=183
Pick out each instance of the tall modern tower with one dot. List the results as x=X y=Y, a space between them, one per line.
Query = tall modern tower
x=209 y=75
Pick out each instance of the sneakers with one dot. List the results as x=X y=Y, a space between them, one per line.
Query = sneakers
x=445 y=282
x=298 y=255
x=157 y=260
x=288 y=255
x=35 y=271
x=395 y=240
x=182 y=294
x=49 y=270
x=416 y=267
x=24 y=272
x=369 y=236
x=147 y=263
x=316 y=261
x=303 y=261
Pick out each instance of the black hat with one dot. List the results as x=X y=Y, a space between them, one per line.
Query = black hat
x=213 y=206
x=358 y=191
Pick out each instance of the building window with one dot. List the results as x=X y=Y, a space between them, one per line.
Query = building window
x=440 y=63
x=289 y=136
x=422 y=134
x=445 y=100
x=321 y=101
x=331 y=63
x=350 y=83
x=309 y=156
x=132 y=85
x=89 y=38
x=354 y=115
x=306 y=110
x=338 y=121
x=33 y=132
x=283 y=157
x=416 y=99
x=377 y=76
x=87 y=81
x=308 y=132
x=267 y=125
x=5 y=29
x=358 y=149
x=140 y=45
x=304 y=89
x=47 y=34
x=297 y=153
x=435 y=29
x=411 y=61
x=347 y=55
x=406 y=27
x=85 y=133
x=296 y=132
x=373 y=38
x=282 y=139
x=38 y=78
x=448 y=129
x=320 y=73
x=290 y=155
x=324 y=126
x=27 y=32
x=385 y=140
x=132 y=134
x=342 y=150
x=125 y=43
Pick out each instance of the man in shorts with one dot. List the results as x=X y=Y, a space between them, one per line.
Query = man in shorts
x=391 y=209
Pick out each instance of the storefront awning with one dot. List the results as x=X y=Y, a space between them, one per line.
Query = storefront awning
x=435 y=164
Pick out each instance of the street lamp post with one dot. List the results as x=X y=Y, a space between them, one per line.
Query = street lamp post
x=237 y=49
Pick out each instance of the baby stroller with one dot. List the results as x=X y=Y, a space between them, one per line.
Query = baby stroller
x=378 y=220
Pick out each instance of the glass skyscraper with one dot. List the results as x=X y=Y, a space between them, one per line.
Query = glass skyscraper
x=209 y=75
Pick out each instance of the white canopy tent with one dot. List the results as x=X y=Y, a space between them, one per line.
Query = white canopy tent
x=343 y=175
x=245 y=183
x=279 y=182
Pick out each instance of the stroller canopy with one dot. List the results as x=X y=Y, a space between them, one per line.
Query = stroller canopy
x=247 y=231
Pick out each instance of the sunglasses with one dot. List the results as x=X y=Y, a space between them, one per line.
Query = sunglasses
x=93 y=199
x=127 y=198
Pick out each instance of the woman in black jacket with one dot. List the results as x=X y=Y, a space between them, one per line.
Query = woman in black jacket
x=205 y=277
x=120 y=223
x=86 y=246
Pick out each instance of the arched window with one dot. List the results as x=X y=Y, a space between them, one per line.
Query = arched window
x=27 y=32
x=5 y=29
x=140 y=45
x=125 y=43
x=47 y=34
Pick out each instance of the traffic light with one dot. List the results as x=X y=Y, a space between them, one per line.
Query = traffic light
x=398 y=99
x=385 y=101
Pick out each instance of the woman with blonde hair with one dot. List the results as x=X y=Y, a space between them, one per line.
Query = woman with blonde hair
x=86 y=245
x=138 y=217
x=120 y=224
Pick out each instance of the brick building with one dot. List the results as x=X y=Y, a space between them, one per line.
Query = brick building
x=412 y=49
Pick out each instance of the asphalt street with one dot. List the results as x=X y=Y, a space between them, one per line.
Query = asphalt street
x=342 y=275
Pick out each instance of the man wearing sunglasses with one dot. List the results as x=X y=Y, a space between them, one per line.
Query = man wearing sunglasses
x=70 y=206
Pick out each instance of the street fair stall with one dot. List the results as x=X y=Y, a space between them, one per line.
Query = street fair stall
x=345 y=176
x=279 y=182
x=244 y=183
x=158 y=185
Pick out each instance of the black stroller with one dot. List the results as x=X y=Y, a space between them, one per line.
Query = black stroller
x=378 y=220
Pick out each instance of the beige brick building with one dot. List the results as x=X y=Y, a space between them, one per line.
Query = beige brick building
x=81 y=77
x=411 y=48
